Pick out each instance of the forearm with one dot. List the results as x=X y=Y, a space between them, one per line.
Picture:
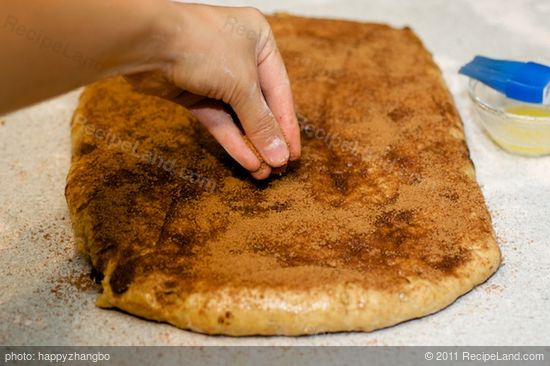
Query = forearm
x=62 y=44
x=201 y=59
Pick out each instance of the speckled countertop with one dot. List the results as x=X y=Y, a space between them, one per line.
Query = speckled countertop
x=47 y=299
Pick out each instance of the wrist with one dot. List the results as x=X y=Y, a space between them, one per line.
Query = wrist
x=146 y=47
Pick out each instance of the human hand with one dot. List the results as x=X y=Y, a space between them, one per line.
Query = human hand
x=228 y=55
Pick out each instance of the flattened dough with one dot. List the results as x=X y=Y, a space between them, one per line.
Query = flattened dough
x=381 y=221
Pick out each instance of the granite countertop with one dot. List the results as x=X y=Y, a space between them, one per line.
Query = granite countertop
x=46 y=297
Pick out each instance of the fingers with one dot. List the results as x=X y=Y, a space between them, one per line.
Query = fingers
x=263 y=172
x=222 y=127
x=260 y=125
x=211 y=114
x=264 y=104
x=220 y=124
x=275 y=85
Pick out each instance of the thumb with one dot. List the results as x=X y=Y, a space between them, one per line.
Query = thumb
x=259 y=124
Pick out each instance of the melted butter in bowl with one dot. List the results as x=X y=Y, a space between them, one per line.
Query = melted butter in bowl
x=517 y=127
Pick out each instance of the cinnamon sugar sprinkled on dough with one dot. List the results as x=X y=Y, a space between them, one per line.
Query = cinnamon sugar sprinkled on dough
x=404 y=205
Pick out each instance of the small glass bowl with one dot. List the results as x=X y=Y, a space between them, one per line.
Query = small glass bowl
x=517 y=127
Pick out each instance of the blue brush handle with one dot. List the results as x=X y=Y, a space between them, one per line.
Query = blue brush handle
x=525 y=81
x=531 y=83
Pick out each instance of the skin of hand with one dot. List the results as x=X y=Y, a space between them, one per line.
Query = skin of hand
x=203 y=57
x=228 y=55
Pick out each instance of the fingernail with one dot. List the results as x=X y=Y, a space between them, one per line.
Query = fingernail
x=277 y=152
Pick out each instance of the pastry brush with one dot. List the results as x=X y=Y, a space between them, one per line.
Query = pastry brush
x=525 y=81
